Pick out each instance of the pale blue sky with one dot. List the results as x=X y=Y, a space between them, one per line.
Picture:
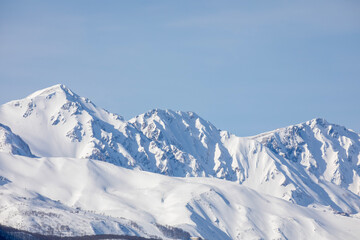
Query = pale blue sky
x=246 y=66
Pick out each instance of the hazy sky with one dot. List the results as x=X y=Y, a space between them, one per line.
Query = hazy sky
x=246 y=66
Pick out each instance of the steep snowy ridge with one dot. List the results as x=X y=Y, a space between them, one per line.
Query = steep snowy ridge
x=12 y=143
x=313 y=164
x=322 y=150
x=187 y=145
x=184 y=143
x=57 y=122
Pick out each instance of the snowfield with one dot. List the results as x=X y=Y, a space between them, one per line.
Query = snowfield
x=68 y=167
x=67 y=196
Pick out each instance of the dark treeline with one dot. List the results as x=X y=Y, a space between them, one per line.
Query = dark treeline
x=8 y=233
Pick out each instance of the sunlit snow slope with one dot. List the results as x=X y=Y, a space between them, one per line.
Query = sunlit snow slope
x=11 y=143
x=321 y=150
x=79 y=196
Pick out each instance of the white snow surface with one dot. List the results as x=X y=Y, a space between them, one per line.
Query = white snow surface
x=322 y=150
x=68 y=196
x=315 y=165
x=12 y=143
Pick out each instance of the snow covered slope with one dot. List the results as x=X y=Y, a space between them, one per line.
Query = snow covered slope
x=57 y=122
x=311 y=164
x=187 y=145
x=12 y=143
x=320 y=150
x=78 y=196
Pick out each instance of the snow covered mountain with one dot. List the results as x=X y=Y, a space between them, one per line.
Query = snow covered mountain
x=320 y=150
x=313 y=164
x=57 y=122
x=190 y=146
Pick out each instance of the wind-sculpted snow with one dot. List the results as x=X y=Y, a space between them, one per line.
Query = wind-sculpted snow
x=184 y=144
x=310 y=164
x=80 y=196
x=320 y=150
x=12 y=143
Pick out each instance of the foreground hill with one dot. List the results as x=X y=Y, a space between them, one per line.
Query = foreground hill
x=70 y=197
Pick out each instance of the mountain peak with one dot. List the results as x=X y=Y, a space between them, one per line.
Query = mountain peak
x=170 y=116
x=58 y=88
x=169 y=112
x=318 y=122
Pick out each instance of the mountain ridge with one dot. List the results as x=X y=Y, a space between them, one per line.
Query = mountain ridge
x=182 y=144
x=66 y=160
x=12 y=143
